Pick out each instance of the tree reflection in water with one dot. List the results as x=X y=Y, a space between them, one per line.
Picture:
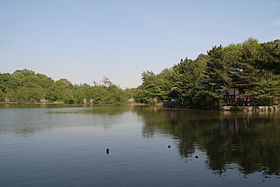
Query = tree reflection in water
x=251 y=141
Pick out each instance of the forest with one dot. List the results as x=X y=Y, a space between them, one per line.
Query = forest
x=246 y=74
x=26 y=86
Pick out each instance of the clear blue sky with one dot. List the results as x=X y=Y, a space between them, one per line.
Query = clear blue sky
x=85 y=40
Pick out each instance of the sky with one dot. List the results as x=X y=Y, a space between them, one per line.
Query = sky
x=85 y=41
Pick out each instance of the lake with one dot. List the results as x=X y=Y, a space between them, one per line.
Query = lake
x=115 y=145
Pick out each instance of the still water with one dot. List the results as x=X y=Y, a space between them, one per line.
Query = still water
x=67 y=146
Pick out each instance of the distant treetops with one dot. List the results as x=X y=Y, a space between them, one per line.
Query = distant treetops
x=239 y=74
x=25 y=86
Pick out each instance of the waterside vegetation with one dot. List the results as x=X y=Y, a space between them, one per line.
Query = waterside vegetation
x=26 y=86
x=246 y=74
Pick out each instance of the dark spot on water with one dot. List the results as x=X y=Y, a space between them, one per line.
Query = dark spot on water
x=169 y=146
x=107 y=151
x=196 y=156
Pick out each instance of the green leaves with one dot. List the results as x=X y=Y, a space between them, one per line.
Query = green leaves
x=154 y=87
x=25 y=86
x=251 y=69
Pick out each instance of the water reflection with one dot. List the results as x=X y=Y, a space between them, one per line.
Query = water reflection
x=247 y=142
x=26 y=120
x=252 y=141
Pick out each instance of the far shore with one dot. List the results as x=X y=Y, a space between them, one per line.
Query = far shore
x=274 y=108
x=62 y=103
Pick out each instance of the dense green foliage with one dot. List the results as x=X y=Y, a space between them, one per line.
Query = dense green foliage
x=239 y=74
x=25 y=86
x=236 y=75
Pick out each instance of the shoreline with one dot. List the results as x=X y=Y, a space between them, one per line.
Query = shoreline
x=274 y=108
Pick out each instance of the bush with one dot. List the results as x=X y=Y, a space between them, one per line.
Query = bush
x=263 y=100
x=208 y=99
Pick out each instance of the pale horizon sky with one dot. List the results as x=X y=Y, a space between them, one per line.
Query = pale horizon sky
x=85 y=40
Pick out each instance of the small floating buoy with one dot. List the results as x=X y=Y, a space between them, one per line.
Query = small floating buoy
x=107 y=151
x=169 y=146
x=196 y=156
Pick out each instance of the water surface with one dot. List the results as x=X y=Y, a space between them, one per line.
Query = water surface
x=66 y=146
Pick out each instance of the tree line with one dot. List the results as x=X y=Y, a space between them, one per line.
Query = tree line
x=26 y=86
x=238 y=74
